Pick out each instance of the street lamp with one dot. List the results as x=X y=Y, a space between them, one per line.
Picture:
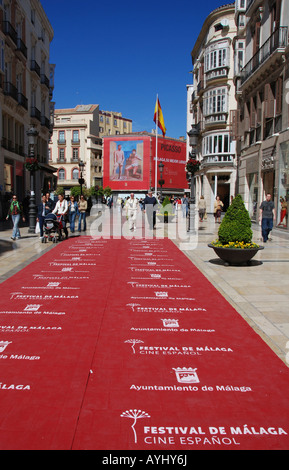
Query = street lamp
x=32 y=165
x=193 y=135
x=161 y=180
x=81 y=179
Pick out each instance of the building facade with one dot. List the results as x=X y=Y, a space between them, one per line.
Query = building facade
x=112 y=123
x=262 y=118
x=210 y=100
x=26 y=88
x=76 y=138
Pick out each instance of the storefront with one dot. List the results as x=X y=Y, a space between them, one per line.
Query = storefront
x=283 y=184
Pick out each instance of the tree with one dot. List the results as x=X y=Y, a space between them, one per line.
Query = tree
x=236 y=225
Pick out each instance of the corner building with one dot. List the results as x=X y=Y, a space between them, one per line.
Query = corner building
x=211 y=98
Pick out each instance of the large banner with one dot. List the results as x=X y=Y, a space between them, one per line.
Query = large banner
x=130 y=162
x=126 y=163
x=172 y=154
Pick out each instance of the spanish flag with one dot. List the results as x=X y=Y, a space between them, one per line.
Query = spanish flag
x=158 y=118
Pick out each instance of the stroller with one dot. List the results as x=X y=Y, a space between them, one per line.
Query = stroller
x=52 y=228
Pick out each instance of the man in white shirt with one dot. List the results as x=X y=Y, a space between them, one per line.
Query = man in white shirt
x=61 y=209
x=131 y=207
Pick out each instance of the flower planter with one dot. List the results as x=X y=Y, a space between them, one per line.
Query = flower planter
x=235 y=256
x=165 y=218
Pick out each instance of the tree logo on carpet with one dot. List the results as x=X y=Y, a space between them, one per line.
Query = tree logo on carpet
x=135 y=415
x=186 y=375
x=133 y=306
x=133 y=343
x=3 y=345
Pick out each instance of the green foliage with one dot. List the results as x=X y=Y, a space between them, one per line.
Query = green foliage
x=236 y=225
x=59 y=190
x=76 y=191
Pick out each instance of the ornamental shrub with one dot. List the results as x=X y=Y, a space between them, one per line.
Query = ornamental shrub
x=236 y=225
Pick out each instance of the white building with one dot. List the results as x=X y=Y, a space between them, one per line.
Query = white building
x=212 y=97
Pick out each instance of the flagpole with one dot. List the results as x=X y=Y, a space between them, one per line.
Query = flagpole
x=156 y=165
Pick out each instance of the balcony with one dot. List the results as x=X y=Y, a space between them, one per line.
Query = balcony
x=34 y=67
x=220 y=160
x=45 y=122
x=10 y=90
x=22 y=101
x=45 y=81
x=9 y=31
x=35 y=113
x=21 y=47
x=277 y=42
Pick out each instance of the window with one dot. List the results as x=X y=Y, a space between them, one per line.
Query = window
x=115 y=122
x=61 y=155
x=215 y=101
x=100 y=118
x=239 y=56
x=75 y=136
x=75 y=153
x=75 y=174
x=216 y=144
x=61 y=137
x=216 y=56
x=61 y=174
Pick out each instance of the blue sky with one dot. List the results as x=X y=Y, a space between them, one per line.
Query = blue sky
x=120 y=55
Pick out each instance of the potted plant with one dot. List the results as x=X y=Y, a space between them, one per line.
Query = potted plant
x=234 y=245
x=166 y=213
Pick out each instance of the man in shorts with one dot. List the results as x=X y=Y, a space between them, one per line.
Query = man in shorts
x=118 y=160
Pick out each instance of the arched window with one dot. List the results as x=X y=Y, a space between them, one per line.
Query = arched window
x=61 y=174
x=75 y=173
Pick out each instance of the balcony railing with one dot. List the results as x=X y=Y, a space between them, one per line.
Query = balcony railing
x=10 y=90
x=35 y=67
x=35 y=113
x=21 y=47
x=277 y=40
x=218 y=160
x=22 y=101
x=44 y=80
x=10 y=31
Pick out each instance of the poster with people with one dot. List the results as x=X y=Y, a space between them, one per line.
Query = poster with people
x=126 y=160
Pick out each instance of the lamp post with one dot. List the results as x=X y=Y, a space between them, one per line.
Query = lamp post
x=81 y=179
x=32 y=166
x=161 y=180
x=193 y=142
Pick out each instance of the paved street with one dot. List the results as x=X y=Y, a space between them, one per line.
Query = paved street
x=258 y=292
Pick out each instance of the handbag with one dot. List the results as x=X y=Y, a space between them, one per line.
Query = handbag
x=37 y=228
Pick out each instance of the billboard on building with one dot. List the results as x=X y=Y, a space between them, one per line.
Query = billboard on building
x=129 y=162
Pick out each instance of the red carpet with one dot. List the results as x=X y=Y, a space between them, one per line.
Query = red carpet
x=124 y=345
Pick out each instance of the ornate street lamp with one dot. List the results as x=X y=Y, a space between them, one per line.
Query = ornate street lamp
x=161 y=180
x=191 y=167
x=32 y=165
x=81 y=179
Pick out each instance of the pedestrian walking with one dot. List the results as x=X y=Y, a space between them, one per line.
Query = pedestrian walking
x=15 y=212
x=185 y=205
x=267 y=216
x=218 y=206
x=50 y=202
x=43 y=210
x=61 y=209
x=150 y=206
x=72 y=213
x=82 y=207
x=202 y=208
x=132 y=207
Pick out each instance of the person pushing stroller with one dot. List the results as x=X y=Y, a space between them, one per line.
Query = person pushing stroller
x=61 y=210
